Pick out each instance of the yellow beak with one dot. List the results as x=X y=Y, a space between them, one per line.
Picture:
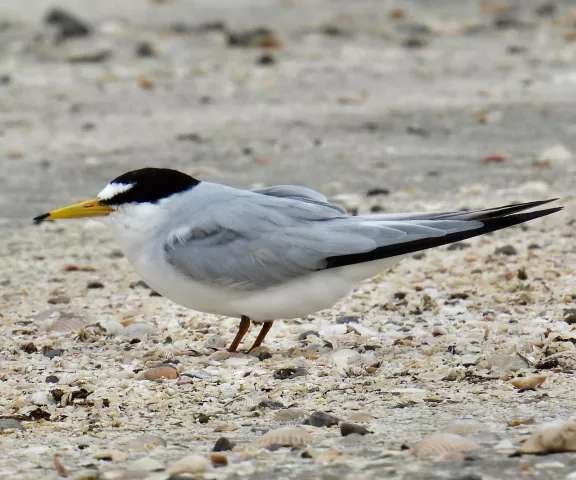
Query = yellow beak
x=89 y=208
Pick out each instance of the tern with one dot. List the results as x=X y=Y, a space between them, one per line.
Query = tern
x=261 y=255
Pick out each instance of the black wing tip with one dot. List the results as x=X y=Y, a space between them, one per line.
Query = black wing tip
x=488 y=225
x=40 y=218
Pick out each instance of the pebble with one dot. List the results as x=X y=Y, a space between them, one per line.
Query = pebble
x=147 y=464
x=266 y=60
x=528 y=383
x=67 y=24
x=95 y=285
x=190 y=464
x=321 y=419
x=10 y=424
x=53 y=353
x=138 y=331
x=289 y=414
x=52 y=379
x=59 y=300
x=289 y=373
x=160 y=373
x=506 y=250
x=223 y=445
x=145 y=50
x=350 y=428
x=552 y=437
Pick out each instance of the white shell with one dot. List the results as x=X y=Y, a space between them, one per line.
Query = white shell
x=552 y=437
x=67 y=323
x=113 y=327
x=439 y=443
x=286 y=437
x=42 y=398
x=145 y=443
x=289 y=414
x=138 y=331
x=147 y=464
x=190 y=464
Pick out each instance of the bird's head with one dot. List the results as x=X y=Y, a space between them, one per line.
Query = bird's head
x=133 y=190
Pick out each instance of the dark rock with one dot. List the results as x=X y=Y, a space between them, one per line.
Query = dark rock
x=60 y=299
x=29 y=348
x=53 y=353
x=117 y=253
x=248 y=38
x=223 y=445
x=57 y=394
x=52 y=379
x=419 y=256
x=308 y=333
x=467 y=476
x=377 y=191
x=334 y=31
x=508 y=20
x=570 y=315
x=264 y=356
x=154 y=293
x=274 y=447
x=415 y=42
x=458 y=246
x=534 y=246
x=506 y=250
x=350 y=428
x=145 y=49
x=203 y=418
x=321 y=419
x=516 y=49
x=266 y=59
x=190 y=137
x=522 y=275
x=95 y=285
x=96 y=56
x=88 y=126
x=547 y=9
x=289 y=373
x=271 y=404
x=417 y=130
x=139 y=283
x=68 y=25
x=5 y=79
x=347 y=319
x=400 y=295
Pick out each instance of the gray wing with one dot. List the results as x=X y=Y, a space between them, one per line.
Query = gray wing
x=252 y=240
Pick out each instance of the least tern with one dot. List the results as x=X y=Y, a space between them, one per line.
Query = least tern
x=261 y=255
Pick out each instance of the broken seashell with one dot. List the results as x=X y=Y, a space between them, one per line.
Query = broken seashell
x=160 y=373
x=145 y=443
x=552 y=437
x=67 y=322
x=138 y=331
x=528 y=383
x=289 y=414
x=147 y=464
x=285 y=437
x=439 y=443
x=227 y=428
x=463 y=427
x=190 y=464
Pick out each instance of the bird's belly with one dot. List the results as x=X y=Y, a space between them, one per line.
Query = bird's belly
x=297 y=298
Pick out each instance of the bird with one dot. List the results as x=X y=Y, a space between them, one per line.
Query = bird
x=279 y=252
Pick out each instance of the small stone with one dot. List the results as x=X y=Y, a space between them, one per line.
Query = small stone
x=95 y=285
x=347 y=319
x=52 y=379
x=140 y=283
x=506 y=250
x=321 y=419
x=266 y=59
x=415 y=42
x=53 y=353
x=10 y=424
x=290 y=373
x=223 y=445
x=308 y=333
x=271 y=404
x=160 y=373
x=147 y=464
x=350 y=428
x=190 y=464
x=546 y=9
x=110 y=455
x=218 y=460
x=68 y=25
x=60 y=299
x=570 y=316
x=417 y=130
x=377 y=191
x=458 y=246
x=264 y=356
x=145 y=49
x=522 y=274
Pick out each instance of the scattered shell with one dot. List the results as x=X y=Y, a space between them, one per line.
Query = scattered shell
x=138 y=331
x=227 y=428
x=289 y=414
x=552 y=437
x=528 y=383
x=215 y=342
x=443 y=442
x=160 y=373
x=147 y=464
x=110 y=455
x=464 y=427
x=218 y=459
x=145 y=443
x=113 y=327
x=190 y=464
x=345 y=358
x=285 y=437
x=42 y=398
x=67 y=322
x=360 y=417
x=219 y=356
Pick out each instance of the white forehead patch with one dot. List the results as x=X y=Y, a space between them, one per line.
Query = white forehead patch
x=113 y=189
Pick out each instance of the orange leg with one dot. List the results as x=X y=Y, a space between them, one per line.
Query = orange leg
x=262 y=335
x=242 y=330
